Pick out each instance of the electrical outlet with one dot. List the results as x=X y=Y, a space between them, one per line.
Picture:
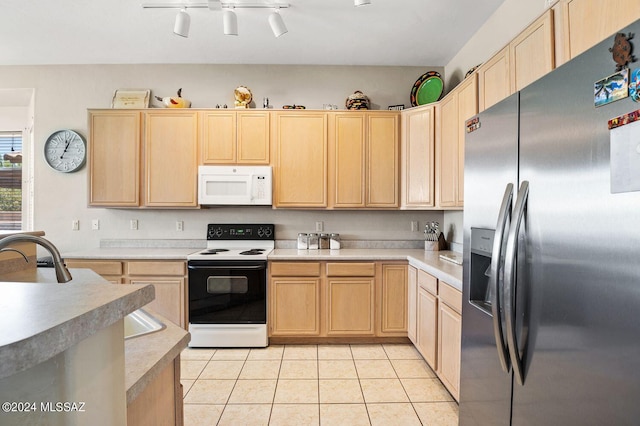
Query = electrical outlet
x=319 y=226
x=414 y=225
x=179 y=225
x=75 y=225
x=133 y=224
x=95 y=224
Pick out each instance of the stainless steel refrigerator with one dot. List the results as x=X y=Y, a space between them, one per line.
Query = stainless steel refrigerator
x=551 y=281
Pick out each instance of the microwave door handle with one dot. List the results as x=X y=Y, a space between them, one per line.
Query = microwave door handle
x=496 y=277
x=250 y=187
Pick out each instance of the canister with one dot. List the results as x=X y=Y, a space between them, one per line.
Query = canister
x=324 y=241
x=313 y=241
x=334 y=241
x=303 y=241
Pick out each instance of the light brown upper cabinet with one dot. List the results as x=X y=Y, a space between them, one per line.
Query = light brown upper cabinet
x=452 y=112
x=532 y=52
x=494 y=84
x=171 y=159
x=363 y=159
x=300 y=168
x=143 y=158
x=526 y=58
x=418 y=151
x=114 y=158
x=585 y=23
x=235 y=137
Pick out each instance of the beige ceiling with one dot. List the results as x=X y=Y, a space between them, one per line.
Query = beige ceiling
x=328 y=32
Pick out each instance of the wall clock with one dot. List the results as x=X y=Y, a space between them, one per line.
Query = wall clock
x=65 y=151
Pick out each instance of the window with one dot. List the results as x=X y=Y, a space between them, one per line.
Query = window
x=10 y=180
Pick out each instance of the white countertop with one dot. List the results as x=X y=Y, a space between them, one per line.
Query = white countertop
x=429 y=261
x=125 y=253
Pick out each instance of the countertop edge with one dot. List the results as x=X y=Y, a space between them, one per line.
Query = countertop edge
x=146 y=356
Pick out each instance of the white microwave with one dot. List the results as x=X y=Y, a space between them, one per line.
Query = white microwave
x=234 y=185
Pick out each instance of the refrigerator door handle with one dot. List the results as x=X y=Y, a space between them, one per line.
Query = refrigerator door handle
x=495 y=277
x=510 y=281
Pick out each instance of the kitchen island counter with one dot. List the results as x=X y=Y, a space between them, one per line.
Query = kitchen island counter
x=41 y=318
x=60 y=315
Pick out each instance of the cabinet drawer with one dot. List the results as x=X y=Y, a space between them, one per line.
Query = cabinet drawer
x=344 y=269
x=156 y=268
x=295 y=269
x=100 y=267
x=451 y=297
x=428 y=282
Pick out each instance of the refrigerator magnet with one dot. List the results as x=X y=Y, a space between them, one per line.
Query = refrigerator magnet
x=634 y=85
x=612 y=88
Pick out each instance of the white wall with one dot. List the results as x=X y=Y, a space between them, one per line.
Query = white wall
x=63 y=94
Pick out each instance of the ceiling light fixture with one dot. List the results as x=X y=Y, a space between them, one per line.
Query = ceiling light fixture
x=361 y=2
x=229 y=18
x=183 y=22
x=277 y=24
x=230 y=22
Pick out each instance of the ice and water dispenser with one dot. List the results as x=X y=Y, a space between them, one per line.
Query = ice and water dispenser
x=480 y=266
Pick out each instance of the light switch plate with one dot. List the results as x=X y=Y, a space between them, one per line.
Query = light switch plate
x=95 y=224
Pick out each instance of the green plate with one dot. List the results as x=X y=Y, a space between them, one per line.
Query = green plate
x=430 y=90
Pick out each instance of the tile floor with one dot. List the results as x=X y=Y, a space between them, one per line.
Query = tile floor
x=313 y=385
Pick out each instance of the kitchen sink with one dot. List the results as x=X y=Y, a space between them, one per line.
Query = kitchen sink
x=139 y=323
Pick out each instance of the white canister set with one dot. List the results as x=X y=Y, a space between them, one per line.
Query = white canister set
x=315 y=241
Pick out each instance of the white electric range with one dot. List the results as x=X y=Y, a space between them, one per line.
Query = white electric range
x=228 y=286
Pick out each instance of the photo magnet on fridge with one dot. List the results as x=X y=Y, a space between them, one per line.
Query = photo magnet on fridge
x=612 y=88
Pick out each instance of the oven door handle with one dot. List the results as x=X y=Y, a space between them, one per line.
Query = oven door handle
x=242 y=267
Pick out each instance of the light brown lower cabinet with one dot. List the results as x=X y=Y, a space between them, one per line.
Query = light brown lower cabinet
x=449 y=338
x=337 y=299
x=169 y=277
x=438 y=330
x=160 y=403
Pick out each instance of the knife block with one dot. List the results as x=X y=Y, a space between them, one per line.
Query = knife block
x=441 y=244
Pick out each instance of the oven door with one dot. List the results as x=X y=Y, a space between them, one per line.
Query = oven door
x=227 y=292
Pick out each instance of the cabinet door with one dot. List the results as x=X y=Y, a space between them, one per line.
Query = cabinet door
x=494 y=80
x=169 y=301
x=171 y=166
x=253 y=137
x=350 y=306
x=114 y=158
x=532 y=52
x=301 y=159
x=447 y=152
x=218 y=141
x=427 y=329
x=347 y=159
x=393 y=300
x=295 y=307
x=418 y=149
x=467 y=108
x=412 y=304
x=590 y=21
x=449 y=338
x=382 y=159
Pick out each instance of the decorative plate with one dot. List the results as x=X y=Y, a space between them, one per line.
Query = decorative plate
x=428 y=88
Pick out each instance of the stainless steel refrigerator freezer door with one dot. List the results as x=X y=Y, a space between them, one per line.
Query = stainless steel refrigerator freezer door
x=491 y=159
x=578 y=256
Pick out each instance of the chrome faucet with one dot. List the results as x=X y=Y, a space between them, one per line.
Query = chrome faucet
x=62 y=273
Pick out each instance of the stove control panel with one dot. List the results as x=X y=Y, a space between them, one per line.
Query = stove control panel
x=227 y=231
